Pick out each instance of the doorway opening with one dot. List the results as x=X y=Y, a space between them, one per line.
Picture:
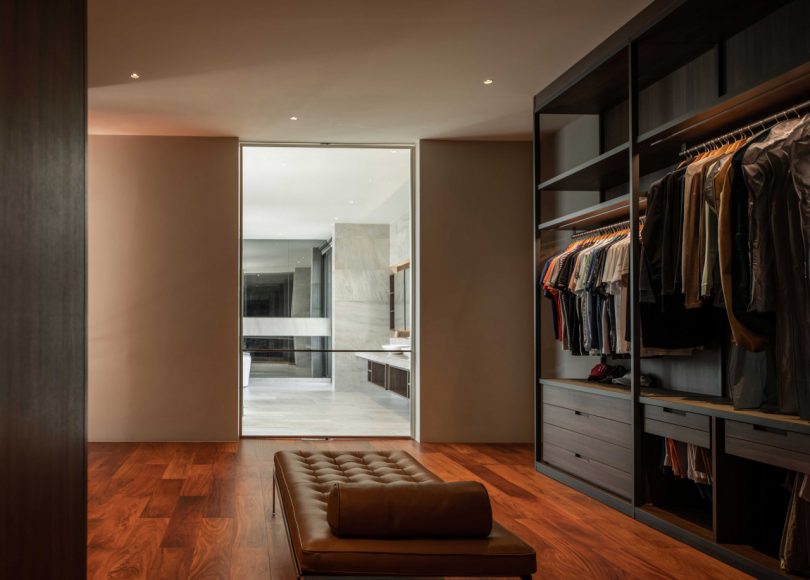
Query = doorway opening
x=327 y=305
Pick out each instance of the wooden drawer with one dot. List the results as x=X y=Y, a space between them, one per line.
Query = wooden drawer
x=779 y=447
x=606 y=407
x=596 y=449
x=591 y=425
x=679 y=425
x=589 y=470
x=678 y=417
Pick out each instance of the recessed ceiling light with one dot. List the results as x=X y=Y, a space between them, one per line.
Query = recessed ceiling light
x=336 y=219
x=488 y=82
x=393 y=150
x=293 y=118
x=135 y=76
x=351 y=202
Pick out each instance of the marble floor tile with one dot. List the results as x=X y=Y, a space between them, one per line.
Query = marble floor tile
x=314 y=409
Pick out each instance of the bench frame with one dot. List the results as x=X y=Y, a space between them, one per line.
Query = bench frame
x=302 y=576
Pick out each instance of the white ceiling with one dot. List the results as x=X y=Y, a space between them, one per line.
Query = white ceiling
x=361 y=71
x=301 y=192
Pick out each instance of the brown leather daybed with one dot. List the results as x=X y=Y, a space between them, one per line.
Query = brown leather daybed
x=305 y=480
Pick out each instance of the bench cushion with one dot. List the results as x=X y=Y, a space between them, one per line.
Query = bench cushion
x=305 y=479
x=431 y=509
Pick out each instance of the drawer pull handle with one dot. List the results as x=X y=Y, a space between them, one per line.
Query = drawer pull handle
x=581 y=414
x=578 y=456
x=674 y=411
x=764 y=429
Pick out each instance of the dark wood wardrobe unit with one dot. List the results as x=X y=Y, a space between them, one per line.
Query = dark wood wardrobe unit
x=680 y=73
x=43 y=128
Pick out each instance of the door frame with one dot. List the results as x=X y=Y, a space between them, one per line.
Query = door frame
x=412 y=149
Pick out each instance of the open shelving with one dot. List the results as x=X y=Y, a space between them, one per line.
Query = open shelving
x=686 y=71
x=602 y=172
x=613 y=210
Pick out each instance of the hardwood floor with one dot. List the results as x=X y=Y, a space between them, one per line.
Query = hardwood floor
x=202 y=510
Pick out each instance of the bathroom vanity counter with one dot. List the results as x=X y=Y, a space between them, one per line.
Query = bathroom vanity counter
x=391 y=359
x=389 y=371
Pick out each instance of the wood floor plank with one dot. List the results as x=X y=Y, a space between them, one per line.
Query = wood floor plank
x=141 y=547
x=179 y=463
x=164 y=499
x=212 y=551
x=198 y=481
x=189 y=510
x=112 y=524
x=222 y=499
x=171 y=564
x=250 y=522
x=185 y=523
x=97 y=562
x=250 y=563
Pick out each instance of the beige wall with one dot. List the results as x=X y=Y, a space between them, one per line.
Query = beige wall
x=475 y=236
x=163 y=288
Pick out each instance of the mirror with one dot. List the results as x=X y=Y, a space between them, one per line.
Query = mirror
x=400 y=282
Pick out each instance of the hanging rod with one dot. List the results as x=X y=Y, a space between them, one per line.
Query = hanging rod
x=711 y=143
x=617 y=227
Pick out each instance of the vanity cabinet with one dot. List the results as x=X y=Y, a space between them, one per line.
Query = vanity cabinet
x=389 y=374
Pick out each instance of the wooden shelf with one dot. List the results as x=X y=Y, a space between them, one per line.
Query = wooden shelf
x=760 y=559
x=659 y=147
x=607 y=170
x=588 y=387
x=600 y=80
x=604 y=85
x=694 y=522
x=723 y=410
x=610 y=211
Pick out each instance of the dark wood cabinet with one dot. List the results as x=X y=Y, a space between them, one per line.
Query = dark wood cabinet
x=603 y=132
x=390 y=378
x=399 y=381
x=377 y=373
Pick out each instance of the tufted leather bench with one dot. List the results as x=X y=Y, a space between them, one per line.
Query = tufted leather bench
x=304 y=480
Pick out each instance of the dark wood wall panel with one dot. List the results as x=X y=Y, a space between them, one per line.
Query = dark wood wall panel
x=42 y=289
x=691 y=87
x=614 y=126
x=752 y=59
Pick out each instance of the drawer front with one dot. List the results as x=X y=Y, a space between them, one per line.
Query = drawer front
x=678 y=417
x=678 y=432
x=605 y=407
x=588 y=470
x=778 y=447
x=590 y=425
x=601 y=451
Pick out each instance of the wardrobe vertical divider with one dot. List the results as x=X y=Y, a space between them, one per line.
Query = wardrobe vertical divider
x=635 y=268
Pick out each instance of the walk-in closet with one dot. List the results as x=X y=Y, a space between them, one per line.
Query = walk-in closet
x=672 y=310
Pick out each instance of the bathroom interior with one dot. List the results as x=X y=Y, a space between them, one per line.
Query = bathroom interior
x=326 y=291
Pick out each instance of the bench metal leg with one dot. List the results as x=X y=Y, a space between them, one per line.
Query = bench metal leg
x=274 y=492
